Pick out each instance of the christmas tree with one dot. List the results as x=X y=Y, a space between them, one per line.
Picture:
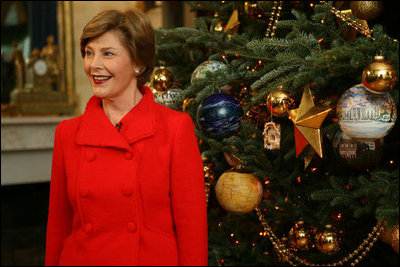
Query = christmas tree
x=294 y=104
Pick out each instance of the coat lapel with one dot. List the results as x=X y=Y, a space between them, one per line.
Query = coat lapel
x=97 y=130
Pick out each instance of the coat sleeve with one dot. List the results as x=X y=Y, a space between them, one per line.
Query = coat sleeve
x=60 y=212
x=188 y=196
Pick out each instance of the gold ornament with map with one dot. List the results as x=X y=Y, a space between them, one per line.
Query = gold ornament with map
x=238 y=192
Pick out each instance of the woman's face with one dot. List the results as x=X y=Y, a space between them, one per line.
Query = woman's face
x=108 y=65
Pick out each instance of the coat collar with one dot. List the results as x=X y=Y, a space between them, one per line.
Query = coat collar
x=97 y=130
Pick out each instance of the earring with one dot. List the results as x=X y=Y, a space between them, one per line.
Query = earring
x=137 y=72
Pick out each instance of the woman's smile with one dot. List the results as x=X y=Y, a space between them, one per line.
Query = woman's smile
x=100 y=79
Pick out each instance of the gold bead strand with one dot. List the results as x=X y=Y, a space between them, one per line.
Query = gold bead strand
x=352 y=23
x=278 y=14
x=273 y=19
x=287 y=255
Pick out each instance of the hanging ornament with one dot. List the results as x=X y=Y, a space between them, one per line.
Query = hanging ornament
x=161 y=79
x=379 y=76
x=219 y=115
x=346 y=15
x=307 y=120
x=207 y=66
x=238 y=192
x=328 y=241
x=359 y=155
x=299 y=237
x=279 y=102
x=233 y=23
x=186 y=103
x=272 y=135
x=170 y=98
x=364 y=115
x=367 y=10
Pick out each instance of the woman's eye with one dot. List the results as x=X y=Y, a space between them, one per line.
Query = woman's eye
x=108 y=54
x=88 y=53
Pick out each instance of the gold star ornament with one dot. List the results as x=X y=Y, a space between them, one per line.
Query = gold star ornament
x=233 y=23
x=307 y=120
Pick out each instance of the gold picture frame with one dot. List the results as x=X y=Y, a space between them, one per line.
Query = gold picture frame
x=39 y=100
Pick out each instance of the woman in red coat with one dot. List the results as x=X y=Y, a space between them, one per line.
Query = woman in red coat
x=127 y=185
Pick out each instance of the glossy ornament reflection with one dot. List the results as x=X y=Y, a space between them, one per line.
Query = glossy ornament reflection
x=279 y=102
x=364 y=115
x=379 y=76
x=219 y=115
x=161 y=79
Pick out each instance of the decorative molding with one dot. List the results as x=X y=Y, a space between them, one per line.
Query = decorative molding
x=28 y=133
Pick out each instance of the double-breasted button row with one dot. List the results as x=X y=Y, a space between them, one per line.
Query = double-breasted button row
x=128 y=155
x=131 y=227
x=127 y=190
x=84 y=192
x=90 y=155
x=88 y=227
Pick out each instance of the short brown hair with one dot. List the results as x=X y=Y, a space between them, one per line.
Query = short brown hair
x=136 y=32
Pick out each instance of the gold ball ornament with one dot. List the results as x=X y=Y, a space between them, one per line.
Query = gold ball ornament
x=299 y=236
x=367 y=10
x=327 y=241
x=395 y=239
x=386 y=233
x=186 y=103
x=238 y=192
x=279 y=102
x=161 y=79
x=379 y=76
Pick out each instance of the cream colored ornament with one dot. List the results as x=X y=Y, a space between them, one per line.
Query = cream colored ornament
x=238 y=192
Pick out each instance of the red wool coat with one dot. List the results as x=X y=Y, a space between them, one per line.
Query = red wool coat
x=134 y=197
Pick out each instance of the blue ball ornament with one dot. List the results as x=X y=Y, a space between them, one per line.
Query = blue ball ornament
x=219 y=115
